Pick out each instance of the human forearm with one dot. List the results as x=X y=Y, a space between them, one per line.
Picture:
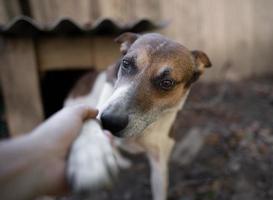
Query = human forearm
x=34 y=164
x=20 y=168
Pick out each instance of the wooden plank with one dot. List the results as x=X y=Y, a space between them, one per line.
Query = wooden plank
x=20 y=84
x=43 y=11
x=87 y=11
x=8 y=10
x=209 y=39
x=105 y=52
x=150 y=9
x=227 y=31
x=239 y=37
x=262 y=57
x=76 y=53
x=95 y=10
x=3 y=14
x=49 y=11
x=62 y=53
x=122 y=11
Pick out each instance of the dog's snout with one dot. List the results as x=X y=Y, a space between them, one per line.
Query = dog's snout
x=114 y=122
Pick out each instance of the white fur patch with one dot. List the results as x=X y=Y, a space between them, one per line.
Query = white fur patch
x=106 y=92
x=120 y=95
x=91 y=163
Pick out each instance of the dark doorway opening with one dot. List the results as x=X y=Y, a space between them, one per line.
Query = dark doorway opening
x=56 y=85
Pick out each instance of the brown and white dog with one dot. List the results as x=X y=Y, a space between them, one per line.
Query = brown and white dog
x=138 y=99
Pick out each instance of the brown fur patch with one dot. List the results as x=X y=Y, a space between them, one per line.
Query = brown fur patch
x=84 y=85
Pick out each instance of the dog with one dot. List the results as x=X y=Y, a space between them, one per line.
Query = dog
x=138 y=99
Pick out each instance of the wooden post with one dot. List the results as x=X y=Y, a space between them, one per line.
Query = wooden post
x=20 y=84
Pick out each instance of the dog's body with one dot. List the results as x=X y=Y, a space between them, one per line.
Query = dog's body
x=138 y=99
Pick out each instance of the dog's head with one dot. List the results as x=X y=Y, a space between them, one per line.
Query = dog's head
x=154 y=76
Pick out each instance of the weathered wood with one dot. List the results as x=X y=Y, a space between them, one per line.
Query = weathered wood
x=87 y=11
x=47 y=12
x=150 y=9
x=80 y=53
x=3 y=15
x=262 y=31
x=20 y=84
x=120 y=10
x=232 y=33
x=105 y=52
x=8 y=10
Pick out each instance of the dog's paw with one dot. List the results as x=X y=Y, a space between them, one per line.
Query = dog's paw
x=92 y=163
x=123 y=162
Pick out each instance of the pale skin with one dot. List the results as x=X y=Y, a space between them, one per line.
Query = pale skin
x=34 y=164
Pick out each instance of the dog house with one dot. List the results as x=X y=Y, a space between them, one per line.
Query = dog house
x=29 y=50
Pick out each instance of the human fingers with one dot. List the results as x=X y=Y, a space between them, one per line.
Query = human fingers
x=84 y=111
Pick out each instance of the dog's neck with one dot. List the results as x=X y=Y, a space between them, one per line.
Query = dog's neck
x=158 y=131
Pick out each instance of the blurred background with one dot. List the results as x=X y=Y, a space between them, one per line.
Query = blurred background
x=225 y=131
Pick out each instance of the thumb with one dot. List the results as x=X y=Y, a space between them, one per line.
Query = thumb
x=84 y=111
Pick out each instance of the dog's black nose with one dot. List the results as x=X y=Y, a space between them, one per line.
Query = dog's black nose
x=114 y=122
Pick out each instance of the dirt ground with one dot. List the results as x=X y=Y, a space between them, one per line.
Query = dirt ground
x=235 y=157
x=230 y=127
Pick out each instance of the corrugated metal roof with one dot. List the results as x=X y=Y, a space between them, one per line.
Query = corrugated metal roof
x=25 y=26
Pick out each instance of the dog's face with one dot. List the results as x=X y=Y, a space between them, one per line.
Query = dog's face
x=154 y=76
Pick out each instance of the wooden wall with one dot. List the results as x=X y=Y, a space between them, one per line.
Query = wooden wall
x=234 y=33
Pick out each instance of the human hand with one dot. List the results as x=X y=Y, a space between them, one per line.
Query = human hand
x=53 y=139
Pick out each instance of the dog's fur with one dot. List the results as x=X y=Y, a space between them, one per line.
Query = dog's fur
x=143 y=92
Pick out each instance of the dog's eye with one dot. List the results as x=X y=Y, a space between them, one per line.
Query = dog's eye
x=128 y=66
x=166 y=84
x=126 y=63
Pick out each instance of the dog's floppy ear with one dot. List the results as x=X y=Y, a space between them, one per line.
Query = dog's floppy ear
x=201 y=61
x=126 y=40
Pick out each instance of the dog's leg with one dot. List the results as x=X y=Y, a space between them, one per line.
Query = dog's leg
x=92 y=161
x=123 y=163
x=159 y=178
x=159 y=171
